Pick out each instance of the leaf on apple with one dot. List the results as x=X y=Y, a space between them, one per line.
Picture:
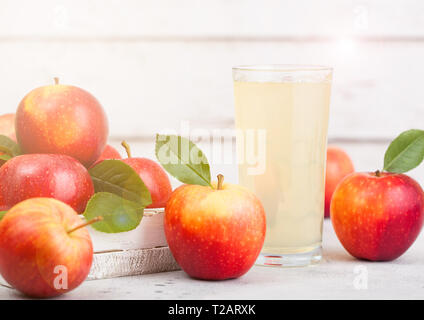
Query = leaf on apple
x=405 y=152
x=115 y=176
x=2 y=213
x=9 y=147
x=183 y=159
x=119 y=214
x=5 y=157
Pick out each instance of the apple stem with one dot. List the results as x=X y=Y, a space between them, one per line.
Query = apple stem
x=378 y=173
x=94 y=220
x=56 y=80
x=127 y=148
x=220 y=181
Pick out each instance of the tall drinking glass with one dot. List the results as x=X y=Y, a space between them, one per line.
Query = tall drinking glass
x=286 y=108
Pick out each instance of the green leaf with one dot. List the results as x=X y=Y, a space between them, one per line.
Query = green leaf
x=405 y=152
x=117 y=177
x=183 y=159
x=9 y=146
x=5 y=157
x=2 y=213
x=119 y=215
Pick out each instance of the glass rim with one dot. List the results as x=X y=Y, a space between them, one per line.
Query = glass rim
x=282 y=68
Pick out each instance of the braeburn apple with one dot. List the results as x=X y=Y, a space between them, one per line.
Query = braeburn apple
x=109 y=153
x=214 y=233
x=153 y=176
x=377 y=216
x=62 y=119
x=43 y=253
x=339 y=165
x=45 y=175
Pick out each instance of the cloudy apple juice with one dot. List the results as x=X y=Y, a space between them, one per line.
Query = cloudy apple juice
x=290 y=105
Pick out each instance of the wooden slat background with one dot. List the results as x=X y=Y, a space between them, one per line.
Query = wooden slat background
x=155 y=63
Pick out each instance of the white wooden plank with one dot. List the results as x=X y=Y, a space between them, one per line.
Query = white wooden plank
x=149 y=234
x=131 y=263
x=146 y=87
x=106 y=19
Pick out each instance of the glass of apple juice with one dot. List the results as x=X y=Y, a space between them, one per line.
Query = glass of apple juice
x=281 y=116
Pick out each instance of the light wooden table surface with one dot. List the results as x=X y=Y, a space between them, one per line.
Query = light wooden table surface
x=336 y=277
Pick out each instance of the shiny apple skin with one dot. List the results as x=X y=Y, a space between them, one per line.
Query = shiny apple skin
x=377 y=218
x=62 y=119
x=34 y=241
x=109 y=153
x=214 y=234
x=45 y=175
x=339 y=165
x=155 y=179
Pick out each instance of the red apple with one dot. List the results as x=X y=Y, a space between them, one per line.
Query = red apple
x=153 y=176
x=339 y=166
x=377 y=216
x=62 y=119
x=109 y=153
x=214 y=233
x=45 y=175
x=40 y=255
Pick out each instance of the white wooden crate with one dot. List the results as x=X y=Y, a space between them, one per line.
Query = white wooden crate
x=140 y=251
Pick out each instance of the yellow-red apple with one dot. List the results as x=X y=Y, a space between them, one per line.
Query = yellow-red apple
x=43 y=253
x=214 y=233
x=339 y=165
x=62 y=119
x=377 y=216
x=153 y=176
